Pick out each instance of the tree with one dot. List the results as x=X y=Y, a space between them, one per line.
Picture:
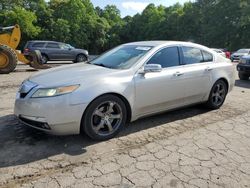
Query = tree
x=26 y=19
x=215 y=23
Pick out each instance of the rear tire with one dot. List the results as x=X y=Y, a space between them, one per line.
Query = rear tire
x=243 y=76
x=217 y=95
x=8 y=59
x=104 y=117
x=44 y=59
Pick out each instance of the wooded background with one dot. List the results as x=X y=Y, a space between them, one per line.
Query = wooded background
x=214 y=23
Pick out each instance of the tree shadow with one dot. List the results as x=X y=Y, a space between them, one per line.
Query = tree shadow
x=21 y=144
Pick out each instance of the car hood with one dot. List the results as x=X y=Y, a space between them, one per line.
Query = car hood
x=79 y=50
x=239 y=54
x=71 y=74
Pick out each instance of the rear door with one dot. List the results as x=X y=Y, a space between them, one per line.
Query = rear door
x=53 y=50
x=197 y=68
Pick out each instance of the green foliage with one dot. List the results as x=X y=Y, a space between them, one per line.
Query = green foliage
x=215 y=23
x=24 y=18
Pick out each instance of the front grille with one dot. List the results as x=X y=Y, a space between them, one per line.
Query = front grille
x=246 y=69
x=42 y=125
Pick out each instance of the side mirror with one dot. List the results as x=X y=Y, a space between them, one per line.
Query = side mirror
x=152 y=68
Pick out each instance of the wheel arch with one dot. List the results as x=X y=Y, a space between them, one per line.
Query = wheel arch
x=225 y=80
x=124 y=99
x=42 y=53
x=215 y=80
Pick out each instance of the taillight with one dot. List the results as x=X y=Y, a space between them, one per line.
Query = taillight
x=26 y=50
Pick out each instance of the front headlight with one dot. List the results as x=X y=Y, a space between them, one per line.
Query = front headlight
x=51 y=92
x=243 y=61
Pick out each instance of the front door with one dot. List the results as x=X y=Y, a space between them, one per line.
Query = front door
x=163 y=90
x=66 y=52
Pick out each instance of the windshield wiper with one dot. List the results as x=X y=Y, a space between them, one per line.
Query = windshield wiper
x=102 y=65
x=88 y=62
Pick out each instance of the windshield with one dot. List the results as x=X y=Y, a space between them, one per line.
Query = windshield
x=121 y=57
x=69 y=46
x=243 y=51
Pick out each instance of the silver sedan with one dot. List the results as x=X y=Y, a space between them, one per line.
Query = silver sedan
x=128 y=82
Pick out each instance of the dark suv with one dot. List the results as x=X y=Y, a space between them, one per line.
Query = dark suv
x=56 y=51
x=244 y=68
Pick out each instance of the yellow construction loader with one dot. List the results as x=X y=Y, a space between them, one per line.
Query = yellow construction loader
x=9 y=56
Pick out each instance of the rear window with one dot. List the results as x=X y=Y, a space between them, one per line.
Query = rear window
x=192 y=55
x=38 y=45
x=207 y=57
x=28 y=44
x=52 y=45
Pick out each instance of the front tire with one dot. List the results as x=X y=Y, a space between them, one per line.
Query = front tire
x=80 y=58
x=217 y=95
x=243 y=76
x=104 y=117
x=8 y=59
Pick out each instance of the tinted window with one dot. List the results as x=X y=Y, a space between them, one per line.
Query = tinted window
x=192 y=55
x=167 y=57
x=52 y=45
x=65 y=46
x=207 y=56
x=38 y=45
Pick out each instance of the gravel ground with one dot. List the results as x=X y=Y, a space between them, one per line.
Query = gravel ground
x=191 y=147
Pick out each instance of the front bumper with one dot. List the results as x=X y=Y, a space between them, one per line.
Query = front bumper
x=54 y=115
x=235 y=58
x=243 y=68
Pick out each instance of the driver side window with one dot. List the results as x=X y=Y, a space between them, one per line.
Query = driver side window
x=64 y=46
x=167 y=57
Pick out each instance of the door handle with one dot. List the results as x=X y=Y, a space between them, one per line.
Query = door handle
x=178 y=74
x=208 y=69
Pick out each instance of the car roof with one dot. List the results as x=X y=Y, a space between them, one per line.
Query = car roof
x=43 y=41
x=217 y=49
x=161 y=42
x=244 y=49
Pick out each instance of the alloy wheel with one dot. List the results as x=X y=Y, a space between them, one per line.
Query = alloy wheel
x=106 y=118
x=218 y=94
x=44 y=59
x=81 y=58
